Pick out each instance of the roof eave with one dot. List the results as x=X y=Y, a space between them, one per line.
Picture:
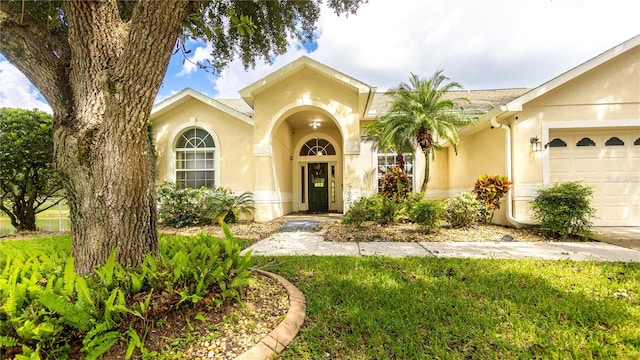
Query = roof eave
x=182 y=96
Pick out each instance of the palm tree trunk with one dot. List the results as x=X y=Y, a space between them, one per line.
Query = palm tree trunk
x=427 y=169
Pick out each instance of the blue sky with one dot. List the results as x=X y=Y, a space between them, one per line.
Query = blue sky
x=481 y=44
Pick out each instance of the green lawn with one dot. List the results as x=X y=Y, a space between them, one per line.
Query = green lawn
x=420 y=308
x=53 y=219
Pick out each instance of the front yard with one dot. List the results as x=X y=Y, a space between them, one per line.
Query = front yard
x=420 y=308
x=416 y=308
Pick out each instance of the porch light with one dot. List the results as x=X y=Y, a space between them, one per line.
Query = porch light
x=315 y=124
x=536 y=145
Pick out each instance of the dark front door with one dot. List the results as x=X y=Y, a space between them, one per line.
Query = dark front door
x=318 y=187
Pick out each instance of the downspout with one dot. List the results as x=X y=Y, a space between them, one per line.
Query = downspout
x=509 y=170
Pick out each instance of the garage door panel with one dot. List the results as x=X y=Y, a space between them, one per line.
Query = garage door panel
x=620 y=189
x=612 y=171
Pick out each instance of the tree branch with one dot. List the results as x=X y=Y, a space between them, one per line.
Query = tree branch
x=42 y=55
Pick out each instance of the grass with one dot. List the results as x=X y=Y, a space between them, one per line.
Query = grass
x=421 y=308
x=53 y=219
x=417 y=308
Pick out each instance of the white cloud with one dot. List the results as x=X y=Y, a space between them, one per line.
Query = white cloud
x=480 y=44
x=16 y=91
x=200 y=56
x=162 y=97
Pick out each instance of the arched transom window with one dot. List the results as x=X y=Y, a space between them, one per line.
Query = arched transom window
x=317 y=146
x=195 y=151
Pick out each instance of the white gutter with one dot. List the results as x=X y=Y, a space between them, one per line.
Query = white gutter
x=509 y=170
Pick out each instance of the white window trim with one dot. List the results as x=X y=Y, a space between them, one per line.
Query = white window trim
x=173 y=140
x=375 y=168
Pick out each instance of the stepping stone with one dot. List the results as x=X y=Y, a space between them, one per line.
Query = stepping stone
x=300 y=225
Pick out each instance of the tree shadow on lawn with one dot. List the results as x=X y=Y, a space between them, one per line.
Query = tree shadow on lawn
x=463 y=308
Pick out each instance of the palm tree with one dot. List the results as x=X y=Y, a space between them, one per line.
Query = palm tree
x=421 y=115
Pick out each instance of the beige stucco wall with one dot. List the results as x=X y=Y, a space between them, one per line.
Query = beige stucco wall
x=605 y=97
x=276 y=142
x=234 y=143
x=479 y=151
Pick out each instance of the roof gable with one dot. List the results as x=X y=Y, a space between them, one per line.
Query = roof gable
x=516 y=104
x=228 y=107
x=248 y=93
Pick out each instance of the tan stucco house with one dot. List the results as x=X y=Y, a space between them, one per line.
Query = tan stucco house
x=295 y=139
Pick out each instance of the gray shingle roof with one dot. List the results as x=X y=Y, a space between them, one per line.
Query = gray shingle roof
x=483 y=100
x=237 y=104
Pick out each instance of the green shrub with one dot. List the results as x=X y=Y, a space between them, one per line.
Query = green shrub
x=45 y=307
x=390 y=210
x=427 y=214
x=489 y=190
x=564 y=209
x=178 y=207
x=364 y=209
x=357 y=214
x=462 y=210
x=412 y=200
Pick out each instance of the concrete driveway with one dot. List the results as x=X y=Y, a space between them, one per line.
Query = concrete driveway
x=625 y=236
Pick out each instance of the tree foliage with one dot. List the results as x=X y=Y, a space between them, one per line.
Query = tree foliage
x=28 y=180
x=421 y=114
x=99 y=65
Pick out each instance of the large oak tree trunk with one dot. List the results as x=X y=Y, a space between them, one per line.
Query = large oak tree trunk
x=101 y=78
x=102 y=145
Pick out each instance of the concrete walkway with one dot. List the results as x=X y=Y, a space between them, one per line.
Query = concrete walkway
x=294 y=242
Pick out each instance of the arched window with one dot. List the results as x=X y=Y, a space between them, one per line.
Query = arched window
x=585 y=142
x=557 y=142
x=317 y=146
x=195 y=151
x=614 y=141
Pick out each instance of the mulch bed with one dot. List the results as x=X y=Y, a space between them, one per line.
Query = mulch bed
x=409 y=232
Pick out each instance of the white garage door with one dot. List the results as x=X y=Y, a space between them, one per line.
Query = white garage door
x=607 y=159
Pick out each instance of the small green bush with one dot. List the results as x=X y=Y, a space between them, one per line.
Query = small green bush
x=565 y=209
x=462 y=210
x=364 y=209
x=412 y=200
x=178 y=207
x=390 y=209
x=427 y=214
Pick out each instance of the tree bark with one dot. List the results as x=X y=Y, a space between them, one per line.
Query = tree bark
x=427 y=170
x=101 y=82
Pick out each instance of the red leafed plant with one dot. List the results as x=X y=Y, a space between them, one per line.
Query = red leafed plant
x=489 y=190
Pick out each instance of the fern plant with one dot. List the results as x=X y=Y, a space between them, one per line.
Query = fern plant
x=45 y=306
